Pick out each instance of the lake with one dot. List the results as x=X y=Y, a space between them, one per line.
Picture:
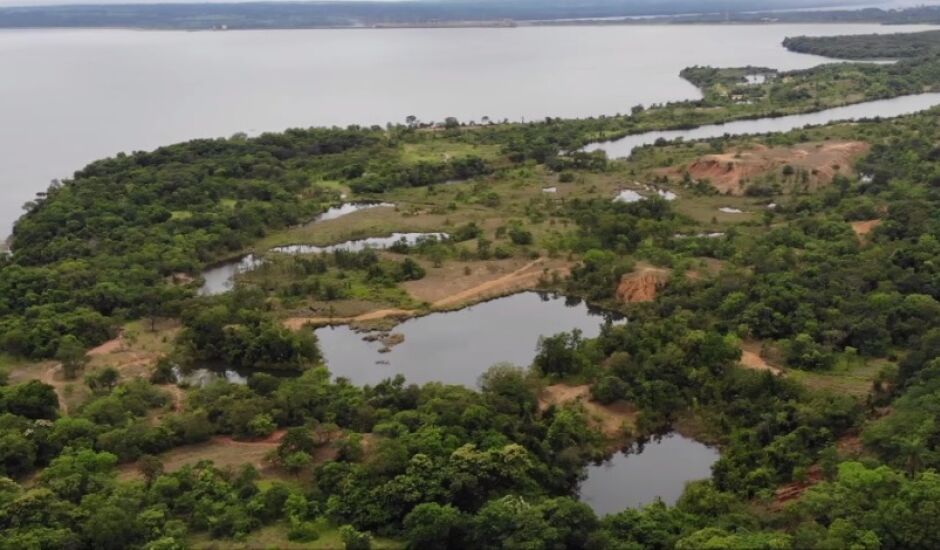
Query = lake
x=660 y=470
x=893 y=107
x=457 y=347
x=71 y=96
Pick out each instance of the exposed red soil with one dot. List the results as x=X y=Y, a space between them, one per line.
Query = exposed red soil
x=728 y=172
x=864 y=227
x=641 y=285
x=751 y=360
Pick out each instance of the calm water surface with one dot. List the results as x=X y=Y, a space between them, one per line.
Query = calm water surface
x=68 y=97
x=660 y=470
x=457 y=347
x=893 y=107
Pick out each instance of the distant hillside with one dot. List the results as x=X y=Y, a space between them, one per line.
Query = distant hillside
x=868 y=46
x=369 y=13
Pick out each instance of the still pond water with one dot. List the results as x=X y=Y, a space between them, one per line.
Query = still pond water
x=71 y=96
x=661 y=470
x=457 y=347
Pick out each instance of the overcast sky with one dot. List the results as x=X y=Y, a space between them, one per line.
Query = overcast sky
x=7 y=3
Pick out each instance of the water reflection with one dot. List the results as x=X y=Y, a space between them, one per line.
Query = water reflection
x=659 y=469
x=457 y=347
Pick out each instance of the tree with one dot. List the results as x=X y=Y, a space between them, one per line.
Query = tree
x=71 y=353
x=297 y=462
x=508 y=389
x=33 y=400
x=354 y=539
x=296 y=440
x=103 y=381
x=151 y=467
x=433 y=526
x=561 y=355
x=261 y=425
x=75 y=474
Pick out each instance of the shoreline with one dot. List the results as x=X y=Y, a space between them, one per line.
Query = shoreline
x=465 y=25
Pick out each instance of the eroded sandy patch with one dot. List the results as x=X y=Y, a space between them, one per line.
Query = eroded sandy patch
x=642 y=284
x=610 y=419
x=864 y=227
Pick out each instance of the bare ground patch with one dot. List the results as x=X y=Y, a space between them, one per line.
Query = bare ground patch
x=136 y=349
x=864 y=227
x=459 y=291
x=610 y=419
x=452 y=287
x=728 y=172
x=642 y=284
x=751 y=359
x=223 y=452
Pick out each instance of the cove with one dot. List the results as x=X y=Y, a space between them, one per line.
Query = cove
x=885 y=108
x=457 y=347
x=659 y=469
x=221 y=278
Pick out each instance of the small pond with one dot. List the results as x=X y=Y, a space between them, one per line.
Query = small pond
x=880 y=108
x=221 y=278
x=348 y=208
x=359 y=245
x=203 y=376
x=457 y=347
x=660 y=469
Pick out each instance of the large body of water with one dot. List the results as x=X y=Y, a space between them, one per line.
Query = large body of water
x=661 y=470
x=458 y=346
x=893 y=107
x=71 y=96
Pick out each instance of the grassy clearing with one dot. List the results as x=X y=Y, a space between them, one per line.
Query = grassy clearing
x=275 y=536
x=138 y=347
x=442 y=150
x=222 y=453
x=705 y=209
x=848 y=377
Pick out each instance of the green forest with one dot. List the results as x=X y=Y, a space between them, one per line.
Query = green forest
x=826 y=277
x=868 y=46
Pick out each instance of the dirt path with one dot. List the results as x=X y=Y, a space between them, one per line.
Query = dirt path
x=109 y=347
x=524 y=277
x=48 y=377
x=176 y=394
x=270 y=441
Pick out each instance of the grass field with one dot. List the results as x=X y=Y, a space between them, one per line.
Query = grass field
x=847 y=377
x=442 y=149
